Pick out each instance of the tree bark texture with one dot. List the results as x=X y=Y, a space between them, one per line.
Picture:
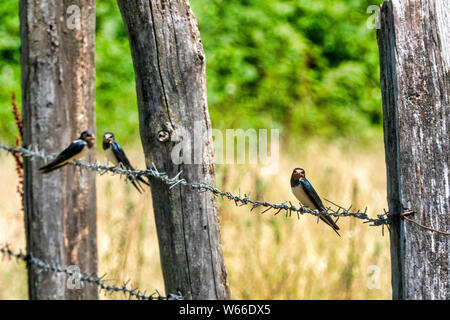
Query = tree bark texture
x=169 y=65
x=58 y=94
x=414 y=43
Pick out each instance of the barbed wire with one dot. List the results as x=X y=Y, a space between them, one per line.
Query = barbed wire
x=95 y=280
x=408 y=212
x=340 y=211
x=382 y=219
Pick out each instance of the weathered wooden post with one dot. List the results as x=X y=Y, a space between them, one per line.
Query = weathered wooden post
x=414 y=42
x=169 y=65
x=58 y=94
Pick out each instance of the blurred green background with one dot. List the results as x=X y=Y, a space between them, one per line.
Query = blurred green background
x=307 y=67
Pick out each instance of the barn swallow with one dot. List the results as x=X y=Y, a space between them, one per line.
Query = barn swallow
x=76 y=150
x=305 y=193
x=115 y=154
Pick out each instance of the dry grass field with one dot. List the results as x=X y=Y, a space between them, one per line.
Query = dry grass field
x=267 y=256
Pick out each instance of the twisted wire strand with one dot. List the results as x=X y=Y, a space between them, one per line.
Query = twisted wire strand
x=382 y=219
x=95 y=280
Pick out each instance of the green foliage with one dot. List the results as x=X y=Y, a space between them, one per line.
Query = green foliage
x=9 y=66
x=115 y=85
x=308 y=67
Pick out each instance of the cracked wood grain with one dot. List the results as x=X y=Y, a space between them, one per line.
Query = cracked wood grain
x=169 y=66
x=58 y=94
x=414 y=43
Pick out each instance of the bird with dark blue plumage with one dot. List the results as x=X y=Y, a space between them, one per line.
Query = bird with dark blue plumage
x=116 y=155
x=76 y=150
x=305 y=193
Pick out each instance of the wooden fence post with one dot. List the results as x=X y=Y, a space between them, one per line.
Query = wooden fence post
x=414 y=43
x=58 y=94
x=169 y=65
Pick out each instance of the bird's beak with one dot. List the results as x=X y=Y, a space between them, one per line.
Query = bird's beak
x=296 y=175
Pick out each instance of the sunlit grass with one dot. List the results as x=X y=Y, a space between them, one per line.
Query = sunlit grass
x=267 y=256
x=274 y=257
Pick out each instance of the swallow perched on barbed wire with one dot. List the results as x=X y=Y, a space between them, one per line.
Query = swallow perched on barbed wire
x=76 y=150
x=115 y=154
x=305 y=193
